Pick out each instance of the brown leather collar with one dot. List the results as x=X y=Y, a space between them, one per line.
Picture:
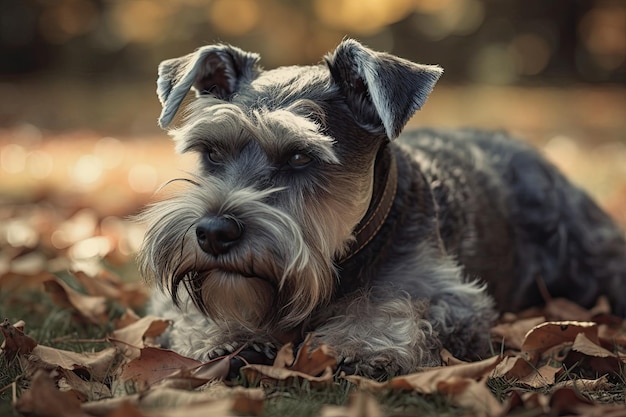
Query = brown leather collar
x=384 y=193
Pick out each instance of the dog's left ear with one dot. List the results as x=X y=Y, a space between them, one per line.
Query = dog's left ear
x=382 y=90
x=214 y=69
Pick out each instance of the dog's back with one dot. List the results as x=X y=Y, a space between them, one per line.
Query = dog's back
x=513 y=219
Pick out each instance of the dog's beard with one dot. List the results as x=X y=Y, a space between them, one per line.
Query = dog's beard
x=271 y=279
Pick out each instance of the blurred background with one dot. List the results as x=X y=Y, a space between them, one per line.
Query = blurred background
x=79 y=145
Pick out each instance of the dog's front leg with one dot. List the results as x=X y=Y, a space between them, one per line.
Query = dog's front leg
x=379 y=336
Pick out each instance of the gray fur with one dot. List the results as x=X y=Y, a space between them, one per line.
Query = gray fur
x=475 y=215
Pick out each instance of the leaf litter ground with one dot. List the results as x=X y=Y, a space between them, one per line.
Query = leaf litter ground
x=78 y=343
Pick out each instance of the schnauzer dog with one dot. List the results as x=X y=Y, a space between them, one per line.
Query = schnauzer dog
x=309 y=214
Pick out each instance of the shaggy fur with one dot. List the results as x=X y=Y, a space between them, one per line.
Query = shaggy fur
x=261 y=246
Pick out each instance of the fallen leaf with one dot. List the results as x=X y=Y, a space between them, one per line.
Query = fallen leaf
x=284 y=356
x=15 y=341
x=314 y=362
x=153 y=365
x=315 y=366
x=361 y=404
x=132 y=338
x=129 y=317
x=98 y=365
x=126 y=409
x=585 y=385
x=472 y=395
x=533 y=401
x=560 y=309
x=547 y=335
x=567 y=401
x=590 y=355
x=512 y=334
x=426 y=382
x=248 y=401
x=45 y=400
x=108 y=285
x=11 y=281
x=108 y=406
x=449 y=359
x=84 y=390
x=168 y=402
x=91 y=308
x=541 y=377
x=269 y=375
x=513 y=368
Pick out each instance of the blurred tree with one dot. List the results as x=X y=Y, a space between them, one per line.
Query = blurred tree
x=475 y=40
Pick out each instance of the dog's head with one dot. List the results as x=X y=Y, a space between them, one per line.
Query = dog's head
x=286 y=172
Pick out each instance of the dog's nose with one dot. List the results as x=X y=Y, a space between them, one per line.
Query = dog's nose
x=217 y=235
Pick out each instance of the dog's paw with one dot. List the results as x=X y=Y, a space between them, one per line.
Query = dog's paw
x=252 y=354
x=244 y=353
x=376 y=366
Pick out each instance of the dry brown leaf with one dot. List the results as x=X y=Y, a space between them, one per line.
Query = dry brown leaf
x=84 y=390
x=449 y=359
x=315 y=366
x=583 y=345
x=214 y=369
x=537 y=402
x=361 y=404
x=561 y=309
x=284 y=356
x=591 y=355
x=167 y=402
x=567 y=401
x=132 y=338
x=472 y=395
x=126 y=409
x=611 y=336
x=585 y=385
x=91 y=308
x=11 y=281
x=513 y=367
x=248 y=401
x=45 y=400
x=426 y=382
x=15 y=341
x=314 y=362
x=108 y=285
x=550 y=334
x=269 y=375
x=513 y=333
x=129 y=317
x=99 y=365
x=153 y=365
x=541 y=377
x=107 y=406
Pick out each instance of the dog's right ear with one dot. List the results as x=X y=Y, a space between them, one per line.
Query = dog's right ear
x=382 y=90
x=215 y=69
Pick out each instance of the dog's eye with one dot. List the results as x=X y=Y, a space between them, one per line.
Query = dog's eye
x=299 y=160
x=215 y=156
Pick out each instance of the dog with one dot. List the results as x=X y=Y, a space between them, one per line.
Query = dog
x=310 y=213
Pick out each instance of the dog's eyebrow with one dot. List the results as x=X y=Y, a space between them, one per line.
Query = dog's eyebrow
x=211 y=124
x=282 y=131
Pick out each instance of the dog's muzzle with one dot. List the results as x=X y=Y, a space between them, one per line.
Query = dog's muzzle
x=216 y=235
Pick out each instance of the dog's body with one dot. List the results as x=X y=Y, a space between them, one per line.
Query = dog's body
x=304 y=218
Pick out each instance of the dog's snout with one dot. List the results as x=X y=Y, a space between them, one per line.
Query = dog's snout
x=217 y=235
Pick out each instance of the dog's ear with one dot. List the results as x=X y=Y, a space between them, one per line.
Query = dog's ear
x=382 y=90
x=215 y=69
